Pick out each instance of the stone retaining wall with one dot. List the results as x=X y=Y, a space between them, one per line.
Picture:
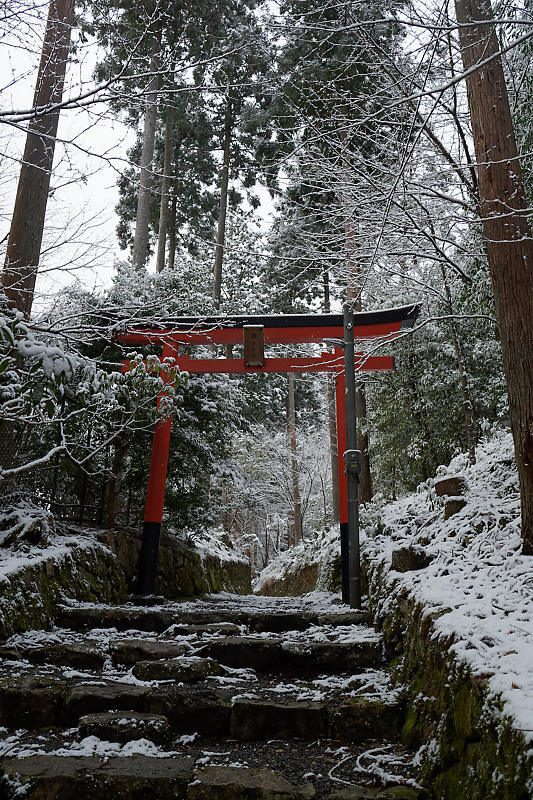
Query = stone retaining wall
x=182 y=572
x=79 y=569
x=470 y=750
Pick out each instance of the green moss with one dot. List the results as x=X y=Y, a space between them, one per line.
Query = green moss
x=471 y=751
x=86 y=572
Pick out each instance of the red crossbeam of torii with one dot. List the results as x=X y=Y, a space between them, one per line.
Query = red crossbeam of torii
x=277 y=329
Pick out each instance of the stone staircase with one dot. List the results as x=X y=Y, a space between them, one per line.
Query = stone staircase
x=211 y=700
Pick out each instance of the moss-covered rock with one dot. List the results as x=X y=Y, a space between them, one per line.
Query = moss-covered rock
x=71 y=568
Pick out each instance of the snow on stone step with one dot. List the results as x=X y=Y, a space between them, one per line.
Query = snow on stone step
x=289 y=655
x=125 y=726
x=159 y=618
x=222 y=783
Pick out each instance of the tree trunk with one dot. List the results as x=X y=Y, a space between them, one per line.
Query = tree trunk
x=223 y=206
x=365 y=477
x=142 y=222
x=465 y=388
x=296 y=500
x=172 y=234
x=27 y=224
x=165 y=186
x=112 y=484
x=506 y=229
x=332 y=421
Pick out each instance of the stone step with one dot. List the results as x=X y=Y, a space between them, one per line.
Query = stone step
x=192 y=708
x=58 y=778
x=158 y=619
x=40 y=701
x=72 y=654
x=31 y=701
x=223 y=783
x=263 y=719
x=127 y=652
x=183 y=669
x=142 y=778
x=271 y=655
x=125 y=726
x=89 y=698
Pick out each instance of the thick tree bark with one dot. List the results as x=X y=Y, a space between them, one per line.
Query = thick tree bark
x=506 y=229
x=27 y=224
x=296 y=500
x=142 y=222
x=223 y=206
x=165 y=187
x=332 y=420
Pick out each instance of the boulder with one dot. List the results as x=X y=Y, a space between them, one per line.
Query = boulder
x=454 y=486
x=453 y=505
x=407 y=559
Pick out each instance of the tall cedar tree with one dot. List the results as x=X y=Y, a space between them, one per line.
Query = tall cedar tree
x=507 y=230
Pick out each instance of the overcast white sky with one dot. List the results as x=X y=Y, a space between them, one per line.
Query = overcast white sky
x=79 y=242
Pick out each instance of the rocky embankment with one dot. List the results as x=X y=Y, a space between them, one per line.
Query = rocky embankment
x=101 y=566
x=451 y=593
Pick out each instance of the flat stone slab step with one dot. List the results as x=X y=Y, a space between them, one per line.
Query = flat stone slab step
x=125 y=726
x=128 y=652
x=183 y=669
x=365 y=793
x=59 y=778
x=262 y=719
x=77 y=655
x=158 y=619
x=35 y=702
x=142 y=778
x=269 y=655
x=95 y=698
x=30 y=701
x=228 y=783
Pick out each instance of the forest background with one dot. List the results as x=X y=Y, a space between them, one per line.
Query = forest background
x=269 y=158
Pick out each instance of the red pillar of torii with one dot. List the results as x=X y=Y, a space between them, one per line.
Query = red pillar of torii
x=277 y=329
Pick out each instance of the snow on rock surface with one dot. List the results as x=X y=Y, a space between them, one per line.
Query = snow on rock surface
x=478 y=588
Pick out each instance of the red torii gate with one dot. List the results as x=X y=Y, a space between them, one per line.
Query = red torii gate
x=277 y=329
